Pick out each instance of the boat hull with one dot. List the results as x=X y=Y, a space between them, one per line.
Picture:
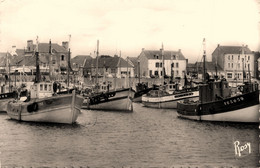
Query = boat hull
x=240 y=108
x=120 y=101
x=169 y=101
x=56 y=109
x=3 y=104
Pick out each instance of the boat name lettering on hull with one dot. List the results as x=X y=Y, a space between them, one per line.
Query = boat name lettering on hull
x=238 y=99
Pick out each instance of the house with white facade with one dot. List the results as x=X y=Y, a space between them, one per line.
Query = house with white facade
x=152 y=62
x=234 y=60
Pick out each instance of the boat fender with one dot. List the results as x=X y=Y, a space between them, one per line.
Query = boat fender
x=35 y=106
x=113 y=94
x=241 y=88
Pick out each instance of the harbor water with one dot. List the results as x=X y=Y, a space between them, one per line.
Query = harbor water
x=145 y=138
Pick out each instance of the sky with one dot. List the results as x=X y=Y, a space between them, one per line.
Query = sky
x=130 y=25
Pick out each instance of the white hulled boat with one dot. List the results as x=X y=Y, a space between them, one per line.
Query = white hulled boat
x=44 y=104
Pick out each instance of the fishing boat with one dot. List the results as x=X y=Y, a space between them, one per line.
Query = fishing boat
x=168 y=94
x=217 y=102
x=44 y=104
x=101 y=97
x=109 y=100
x=141 y=89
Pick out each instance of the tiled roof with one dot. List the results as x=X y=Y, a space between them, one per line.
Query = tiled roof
x=107 y=61
x=44 y=47
x=232 y=50
x=152 y=54
x=134 y=60
x=20 y=52
x=79 y=60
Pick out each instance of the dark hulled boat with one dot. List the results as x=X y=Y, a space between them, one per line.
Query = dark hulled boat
x=216 y=103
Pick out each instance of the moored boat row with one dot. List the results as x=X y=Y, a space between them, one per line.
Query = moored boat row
x=212 y=100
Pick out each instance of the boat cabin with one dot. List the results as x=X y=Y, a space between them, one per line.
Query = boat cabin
x=42 y=89
x=103 y=87
x=157 y=93
x=214 y=90
x=172 y=87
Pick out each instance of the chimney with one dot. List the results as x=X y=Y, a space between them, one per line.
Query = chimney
x=142 y=49
x=65 y=44
x=29 y=45
x=179 y=50
x=13 y=52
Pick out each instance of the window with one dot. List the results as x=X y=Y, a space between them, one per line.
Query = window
x=161 y=73
x=49 y=87
x=232 y=57
x=41 y=87
x=151 y=72
x=229 y=75
x=160 y=64
x=172 y=65
x=238 y=57
x=228 y=65
x=62 y=57
x=156 y=73
x=177 y=65
x=157 y=64
x=229 y=57
x=238 y=65
x=44 y=65
x=177 y=72
x=232 y=65
x=53 y=61
x=45 y=87
x=248 y=66
x=248 y=57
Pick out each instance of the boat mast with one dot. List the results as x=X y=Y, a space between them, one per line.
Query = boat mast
x=97 y=66
x=8 y=67
x=204 y=60
x=163 y=70
x=37 y=77
x=127 y=72
x=138 y=61
x=171 y=68
x=243 y=59
x=68 y=64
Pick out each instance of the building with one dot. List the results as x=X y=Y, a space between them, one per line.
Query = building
x=77 y=64
x=237 y=62
x=52 y=56
x=152 y=61
x=108 y=67
x=257 y=65
x=134 y=61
